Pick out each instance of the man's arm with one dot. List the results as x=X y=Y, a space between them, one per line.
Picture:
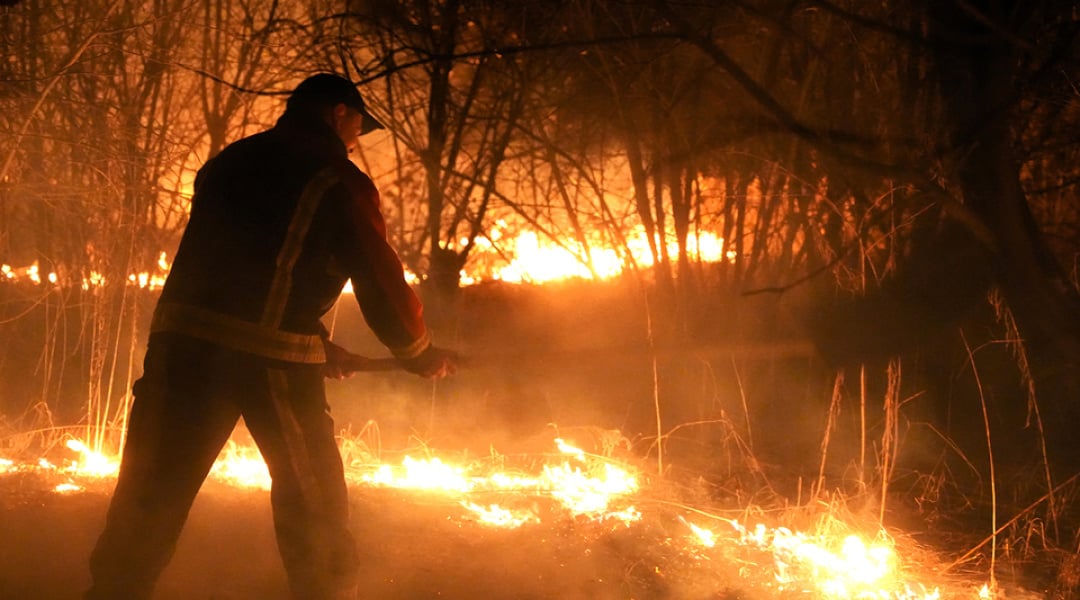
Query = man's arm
x=390 y=307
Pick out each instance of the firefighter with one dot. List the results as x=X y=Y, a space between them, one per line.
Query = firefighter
x=279 y=221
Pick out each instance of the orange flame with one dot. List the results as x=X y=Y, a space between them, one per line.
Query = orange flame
x=149 y=280
x=523 y=257
x=833 y=569
x=537 y=260
x=584 y=486
x=588 y=493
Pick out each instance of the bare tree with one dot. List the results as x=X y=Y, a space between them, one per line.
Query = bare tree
x=454 y=102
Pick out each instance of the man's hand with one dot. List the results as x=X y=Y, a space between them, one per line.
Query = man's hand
x=433 y=363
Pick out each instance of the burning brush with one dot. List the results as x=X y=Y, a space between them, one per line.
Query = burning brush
x=598 y=494
x=594 y=495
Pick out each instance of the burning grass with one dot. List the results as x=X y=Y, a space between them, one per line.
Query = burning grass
x=592 y=504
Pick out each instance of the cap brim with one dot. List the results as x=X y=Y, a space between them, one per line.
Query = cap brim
x=369 y=123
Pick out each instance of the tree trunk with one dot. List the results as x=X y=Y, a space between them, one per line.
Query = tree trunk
x=977 y=79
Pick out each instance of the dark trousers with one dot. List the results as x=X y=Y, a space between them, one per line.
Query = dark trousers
x=185 y=407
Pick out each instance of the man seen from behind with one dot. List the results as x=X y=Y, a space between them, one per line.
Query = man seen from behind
x=279 y=222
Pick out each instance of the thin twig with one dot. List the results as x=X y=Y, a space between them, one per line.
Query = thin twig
x=1010 y=522
x=990 y=456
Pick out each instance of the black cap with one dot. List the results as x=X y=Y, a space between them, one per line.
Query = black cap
x=326 y=90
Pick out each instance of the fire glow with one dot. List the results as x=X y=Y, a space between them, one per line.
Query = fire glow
x=528 y=258
x=523 y=258
x=588 y=488
x=584 y=488
x=841 y=567
x=32 y=274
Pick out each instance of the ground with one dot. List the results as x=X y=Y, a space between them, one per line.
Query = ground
x=411 y=549
x=413 y=546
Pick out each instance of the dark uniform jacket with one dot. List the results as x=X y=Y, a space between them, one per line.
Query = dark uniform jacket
x=279 y=221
